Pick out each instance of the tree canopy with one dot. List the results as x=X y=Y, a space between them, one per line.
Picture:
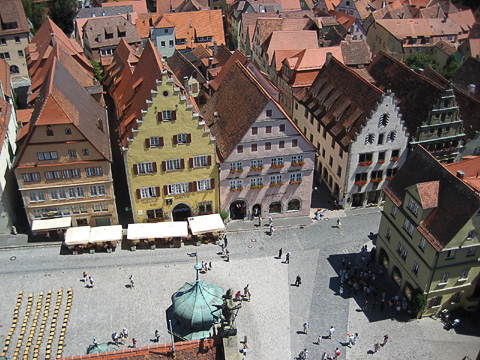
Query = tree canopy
x=418 y=61
x=62 y=12
x=35 y=12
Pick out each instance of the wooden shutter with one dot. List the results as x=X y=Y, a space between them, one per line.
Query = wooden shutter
x=154 y=166
x=194 y=185
x=157 y=191
x=175 y=140
x=190 y=186
x=139 y=196
x=209 y=160
x=174 y=115
x=164 y=166
x=212 y=183
x=190 y=163
x=160 y=141
x=159 y=116
x=182 y=163
x=165 y=190
x=147 y=142
x=135 y=169
x=189 y=138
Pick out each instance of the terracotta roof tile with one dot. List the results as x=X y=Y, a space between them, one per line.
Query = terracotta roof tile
x=403 y=28
x=465 y=19
x=290 y=40
x=182 y=67
x=445 y=47
x=163 y=6
x=432 y=12
x=343 y=19
x=236 y=56
x=290 y=5
x=457 y=202
x=341 y=99
x=428 y=193
x=140 y=7
x=355 y=52
x=23 y=115
x=143 y=27
x=471 y=171
x=12 y=11
x=109 y=24
x=5 y=78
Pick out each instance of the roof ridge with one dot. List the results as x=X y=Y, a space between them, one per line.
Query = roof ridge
x=353 y=72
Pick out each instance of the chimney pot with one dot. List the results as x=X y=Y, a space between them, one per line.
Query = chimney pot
x=460 y=174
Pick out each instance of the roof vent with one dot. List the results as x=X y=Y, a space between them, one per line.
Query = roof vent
x=460 y=174
x=472 y=88
x=100 y=124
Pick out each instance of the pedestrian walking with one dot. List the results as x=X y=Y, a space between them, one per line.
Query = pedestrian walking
x=280 y=253
x=244 y=353
x=287 y=258
x=157 y=336
x=246 y=293
x=210 y=265
x=319 y=338
x=125 y=333
x=85 y=277
x=385 y=339
x=331 y=332
x=376 y=347
x=272 y=230
x=340 y=290
x=337 y=353
x=132 y=282
x=351 y=340
x=305 y=328
x=304 y=354
x=298 y=281
x=355 y=338
x=270 y=221
x=134 y=342
x=259 y=220
x=339 y=223
x=325 y=356
x=95 y=341
x=115 y=338
x=225 y=241
x=92 y=284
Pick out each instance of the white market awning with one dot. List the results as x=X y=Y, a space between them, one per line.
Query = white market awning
x=77 y=235
x=157 y=230
x=206 y=224
x=52 y=224
x=106 y=233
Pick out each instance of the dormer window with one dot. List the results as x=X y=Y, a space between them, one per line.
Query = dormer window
x=413 y=206
x=49 y=131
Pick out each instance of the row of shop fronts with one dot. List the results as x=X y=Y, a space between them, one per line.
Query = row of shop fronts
x=196 y=229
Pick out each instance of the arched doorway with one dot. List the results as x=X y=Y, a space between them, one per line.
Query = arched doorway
x=275 y=208
x=384 y=260
x=397 y=276
x=181 y=212
x=256 y=210
x=294 y=205
x=238 y=210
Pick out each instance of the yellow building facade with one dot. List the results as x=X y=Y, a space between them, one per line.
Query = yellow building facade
x=169 y=160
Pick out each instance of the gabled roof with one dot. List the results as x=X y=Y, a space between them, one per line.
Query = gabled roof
x=364 y=8
x=64 y=101
x=236 y=56
x=279 y=56
x=467 y=74
x=290 y=40
x=140 y=7
x=341 y=99
x=355 y=52
x=471 y=170
x=182 y=68
x=428 y=193
x=290 y=5
x=111 y=10
x=143 y=26
x=96 y=29
x=11 y=11
x=457 y=202
x=416 y=95
x=403 y=28
x=5 y=81
x=464 y=19
x=474 y=45
x=164 y=6
x=343 y=19
x=445 y=47
x=42 y=43
x=431 y=12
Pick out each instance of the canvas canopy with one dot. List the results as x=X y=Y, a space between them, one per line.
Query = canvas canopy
x=52 y=224
x=157 y=230
x=105 y=233
x=77 y=235
x=206 y=224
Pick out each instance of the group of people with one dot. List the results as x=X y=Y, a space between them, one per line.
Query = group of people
x=119 y=339
x=88 y=280
x=377 y=345
x=247 y=295
x=287 y=256
x=206 y=266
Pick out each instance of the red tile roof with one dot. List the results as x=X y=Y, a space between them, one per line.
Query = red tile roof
x=428 y=193
x=471 y=171
x=5 y=78
x=355 y=52
x=204 y=349
x=290 y=40
x=11 y=11
x=457 y=202
x=163 y=6
x=139 y=6
x=236 y=56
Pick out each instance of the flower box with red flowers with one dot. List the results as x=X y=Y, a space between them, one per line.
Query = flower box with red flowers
x=395 y=159
x=376 y=180
x=381 y=161
x=369 y=162
x=277 y=166
x=254 y=187
x=295 y=182
x=389 y=178
x=256 y=168
x=272 y=185
x=239 y=188
x=360 y=183
x=363 y=163
x=298 y=163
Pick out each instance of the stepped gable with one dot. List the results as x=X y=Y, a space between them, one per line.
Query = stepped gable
x=416 y=95
x=341 y=99
x=456 y=201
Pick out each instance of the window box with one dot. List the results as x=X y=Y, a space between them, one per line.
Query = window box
x=362 y=164
x=394 y=159
x=298 y=163
x=277 y=166
x=233 y=190
x=389 y=178
x=369 y=162
x=233 y=171
x=376 y=180
x=254 y=187
x=239 y=188
x=361 y=182
x=297 y=182
x=381 y=161
x=276 y=184
x=256 y=168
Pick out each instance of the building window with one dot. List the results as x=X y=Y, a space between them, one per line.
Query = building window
x=48 y=175
x=391 y=136
x=268 y=129
x=240 y=149
x=395 y=155
x=365 y=159
x=294 y=205
x=471 y=235
x=413 y=206
x=384 y=119
x=47 y=155
x=36 y=196
x=205 y=208
x=388 y=235
x=100 y=207
x=162 y=43
x=275 y=208
x=173 y=164
x=256 y=182
x=436 y=301
x=282 y=127
x=5 y=56
x=145 y=167
x=76 y=173
x=236 y=185
x=450 y=254
x=471 y=251
x=236 y=167
x=416 y=267
x=464 y=274
x=294 y=142
x=27 y=177
x=456 y=297
x=402 y=251
x=340 y=153
x=167 y=115
x=57 y=174
x=76 y=192
x=97 y=190
x=298 y=160
x=268 y=146
x=72 y=154
x=257 y=164
x=380 y=139
x=268 y=113
x=295 y=178
x=409 y=227
x=79 y=209
x=330 y=162
x=394 y=211
x=323 y=153
x=96 y=171
x=254 y=130
x=369 y=139
x=154 y=141
x=281 y=144
x=324 y=133
x=423 y=243
x=58 y=194
x=200 y=161
x=276 y=162
x=444 y=278
x=203 y=185
x=148 y=192
x=85 y=152
x=170 y=43
x=177 y=188
x=276 y=180
x=339 y=171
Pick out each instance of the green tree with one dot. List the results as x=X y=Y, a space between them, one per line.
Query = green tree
x=451 y=67
x=97 y=70
x=35 y=12
x=62 y=12
x=419 y=302
x=420 y=61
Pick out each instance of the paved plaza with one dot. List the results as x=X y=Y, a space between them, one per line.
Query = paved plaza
x=272 y=321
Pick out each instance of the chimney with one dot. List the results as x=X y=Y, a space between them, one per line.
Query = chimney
x=52 y=35
x=438 y=11
x=215 y=48
x=444 y=19
x=471 y=89
x=460 y=174
x=129 y=17
x=185 y=83
x=215 y=117
x=403 y=14
x=328 y=58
